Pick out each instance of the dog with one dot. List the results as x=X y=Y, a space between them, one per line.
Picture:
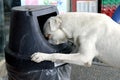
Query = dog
x=94 y=34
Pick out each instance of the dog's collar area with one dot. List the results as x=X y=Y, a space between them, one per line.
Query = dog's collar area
x=66 y=35
x=70 y=40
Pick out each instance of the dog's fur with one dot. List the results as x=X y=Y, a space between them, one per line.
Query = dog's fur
x=95 y=34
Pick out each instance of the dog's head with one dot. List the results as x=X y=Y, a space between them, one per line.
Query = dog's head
x=52 y=30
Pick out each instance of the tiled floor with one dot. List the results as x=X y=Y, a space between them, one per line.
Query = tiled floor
x=95 y=73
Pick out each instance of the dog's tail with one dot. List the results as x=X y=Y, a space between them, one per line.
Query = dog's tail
x=3 y=71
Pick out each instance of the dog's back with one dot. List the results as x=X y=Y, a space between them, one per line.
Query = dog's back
x=107 y=31
x=85 y=18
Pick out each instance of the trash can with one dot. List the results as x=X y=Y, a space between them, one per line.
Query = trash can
x=26 y=37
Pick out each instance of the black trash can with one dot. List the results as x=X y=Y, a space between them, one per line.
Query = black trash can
x=26 y=37
x=2 y=36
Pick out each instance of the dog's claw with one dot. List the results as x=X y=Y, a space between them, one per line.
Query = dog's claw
x=38 y=57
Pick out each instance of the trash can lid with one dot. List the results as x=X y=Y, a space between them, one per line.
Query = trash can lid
x=32 y=7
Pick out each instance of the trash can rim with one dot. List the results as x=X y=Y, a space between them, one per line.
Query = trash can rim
x=32 y=7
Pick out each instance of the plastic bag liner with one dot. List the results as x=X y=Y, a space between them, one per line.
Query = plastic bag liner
x=26 y=38
x=58 y=73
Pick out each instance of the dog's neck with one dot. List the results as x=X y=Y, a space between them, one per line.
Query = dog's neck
x=67 y=35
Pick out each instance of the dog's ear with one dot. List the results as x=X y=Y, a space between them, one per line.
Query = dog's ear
x=55 y=23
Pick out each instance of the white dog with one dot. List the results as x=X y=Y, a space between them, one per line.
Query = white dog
x=95 y=34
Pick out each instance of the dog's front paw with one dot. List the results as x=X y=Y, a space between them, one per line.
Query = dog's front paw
x=39 y=57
